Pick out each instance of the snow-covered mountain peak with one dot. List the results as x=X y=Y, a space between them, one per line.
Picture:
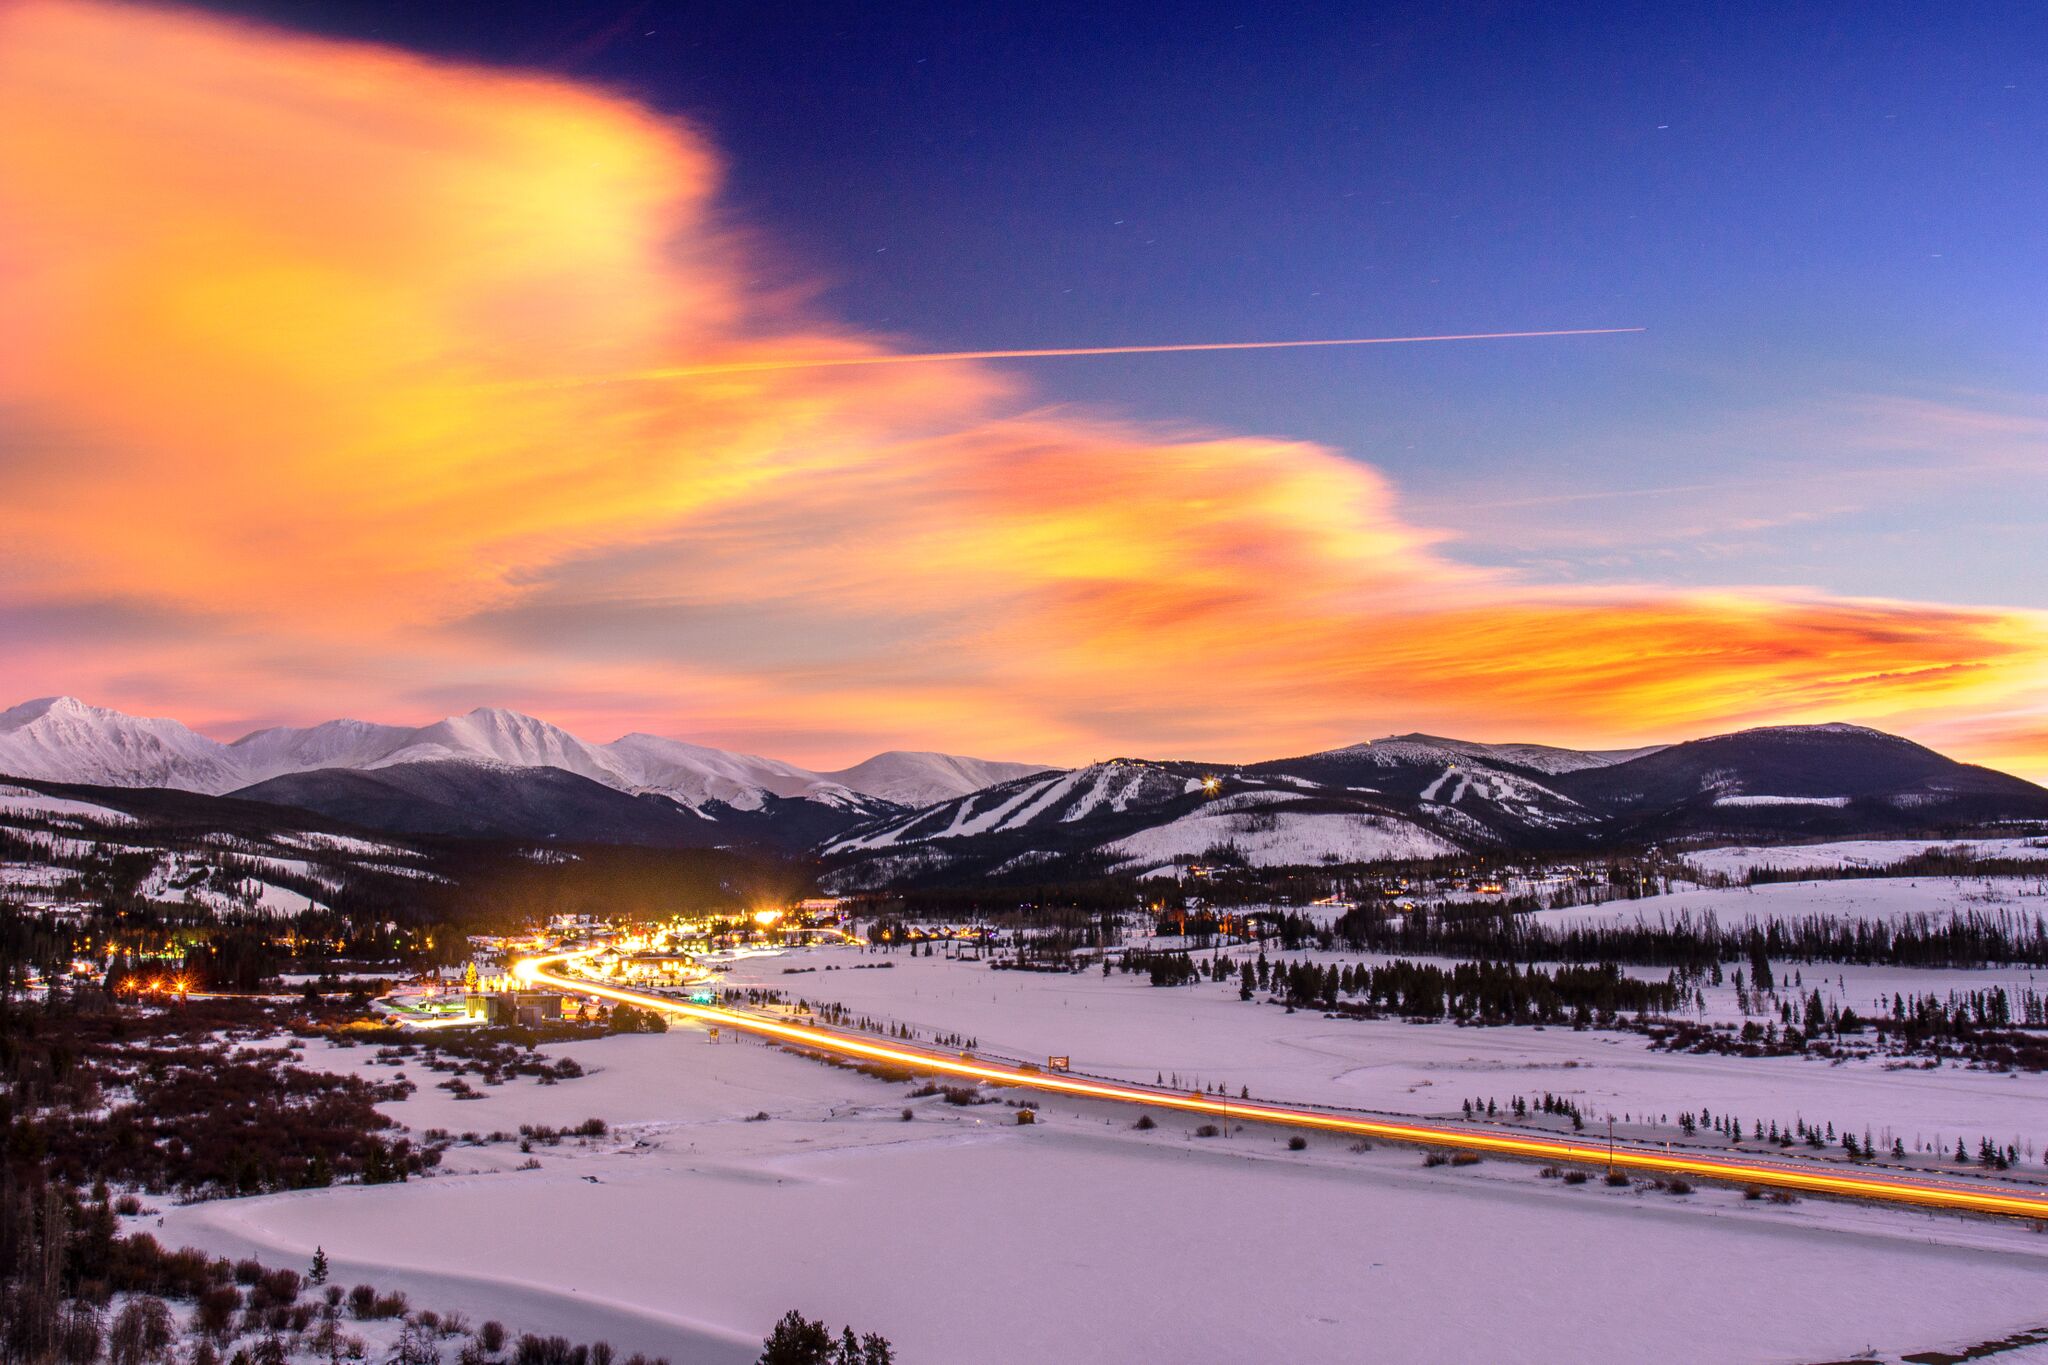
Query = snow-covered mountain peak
x=695 y=774
x=912 y=777
x=1400 y=750
x=1833 y=727
x=62 y=739
x=14 y=717
x=495 y=735
x=264 y=754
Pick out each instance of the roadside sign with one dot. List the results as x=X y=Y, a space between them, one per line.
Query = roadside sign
x=1056 y=1063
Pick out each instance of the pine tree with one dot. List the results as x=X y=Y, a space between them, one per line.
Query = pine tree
x=797 y=1340
x=318 y=1273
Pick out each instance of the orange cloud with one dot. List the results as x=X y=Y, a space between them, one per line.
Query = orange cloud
x=276 y=346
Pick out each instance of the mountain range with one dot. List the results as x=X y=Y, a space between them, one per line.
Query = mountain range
x=1419 y=796
x=908 y=817
x=64 y=739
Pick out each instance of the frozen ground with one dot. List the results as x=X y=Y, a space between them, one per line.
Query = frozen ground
x=1276 y=839
x=26 y=801
x=965 y=1238
x=693 y=1225
x=1203 y=1035
x=1857 y=853
x=1877 y=898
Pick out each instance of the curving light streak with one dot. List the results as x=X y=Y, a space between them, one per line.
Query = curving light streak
x=920 y=358
x=1925 y=1194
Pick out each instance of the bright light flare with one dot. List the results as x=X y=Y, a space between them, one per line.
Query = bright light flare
x=1925 y=1194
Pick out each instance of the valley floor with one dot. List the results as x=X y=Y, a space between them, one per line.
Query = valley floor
x=694 y=1224
x=691 y=1227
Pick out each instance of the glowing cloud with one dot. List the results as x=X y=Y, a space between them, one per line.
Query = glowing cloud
x=280 y=345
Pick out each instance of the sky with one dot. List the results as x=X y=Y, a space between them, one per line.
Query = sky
x=321 y=327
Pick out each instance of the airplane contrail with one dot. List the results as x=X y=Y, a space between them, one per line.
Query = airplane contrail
x=919 y=358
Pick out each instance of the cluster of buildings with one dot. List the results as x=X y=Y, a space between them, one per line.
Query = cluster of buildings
x=679 y=955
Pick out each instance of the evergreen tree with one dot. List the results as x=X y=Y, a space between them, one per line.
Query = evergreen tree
x=797 y=1340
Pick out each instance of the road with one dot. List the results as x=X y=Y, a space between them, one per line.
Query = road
x=1803 y=1176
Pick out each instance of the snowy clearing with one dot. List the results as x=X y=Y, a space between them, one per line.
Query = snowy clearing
x=1280 y=838
x=1154 y=1245
x=1873 y=898
x=1856 y=853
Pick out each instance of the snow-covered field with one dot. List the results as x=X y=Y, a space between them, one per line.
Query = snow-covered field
x=694 y=1225
x=1203 y=1035
x=690 y=1229
x=1277 y=838
x=1876 y=898
x=1856 y=853
x=26 y=801
x=696 y=1222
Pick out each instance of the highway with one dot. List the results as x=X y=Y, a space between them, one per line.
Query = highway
x=1802 y=1176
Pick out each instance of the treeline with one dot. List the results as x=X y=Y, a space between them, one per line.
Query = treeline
x=89 y=1092
x=1471 y=992
x=1964 y=1013
x=1583 y=877
x=1695 y=943
x=233 y=951
x=1021 y=902
x=1167 y=968
x=1951 y=860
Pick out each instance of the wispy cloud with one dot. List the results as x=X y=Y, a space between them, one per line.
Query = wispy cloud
x=281 y=325
x=1832 y=459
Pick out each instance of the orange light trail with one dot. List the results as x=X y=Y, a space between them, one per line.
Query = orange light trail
x=1923 y=1194
x=926 y=357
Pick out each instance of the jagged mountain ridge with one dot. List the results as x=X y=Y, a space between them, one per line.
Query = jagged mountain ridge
x=496 y=773
x=66 y=740
x=916 y=778
x=1417 y=796
x=62 y=739
x=1131 y=815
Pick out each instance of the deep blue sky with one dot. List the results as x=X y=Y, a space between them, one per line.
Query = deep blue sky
x=1829 y=216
